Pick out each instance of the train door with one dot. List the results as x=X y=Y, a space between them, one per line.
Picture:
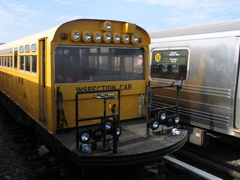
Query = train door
x=237 y=97
x=42 y=80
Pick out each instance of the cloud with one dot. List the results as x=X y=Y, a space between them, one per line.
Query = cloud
x=65 y=18
x=61 y=1
x=209 y=6
x=69 y=2
x=19 y=19
x=175 y=3
x=205 y=12
x=193 y=12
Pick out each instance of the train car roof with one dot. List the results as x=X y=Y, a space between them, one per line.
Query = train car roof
x=32 y=38
x=201 y=29
x=50 y=33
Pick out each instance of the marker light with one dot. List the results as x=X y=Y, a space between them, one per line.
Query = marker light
x=134 y=38
x=162 y=116
x=168 y=122
x=75 y=36
x=107 y=37
x=107 y=26
x=125 y=38
x=63 y=36
x=97 y=134
x=84 y=136
x=139 y=40
x=116 y=38
x=87 y=36
x=97 y=37
x=154 y=124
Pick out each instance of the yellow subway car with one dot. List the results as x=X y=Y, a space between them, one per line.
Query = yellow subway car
x=76 y=83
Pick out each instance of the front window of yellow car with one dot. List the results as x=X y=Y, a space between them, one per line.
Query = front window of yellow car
x=97 y=64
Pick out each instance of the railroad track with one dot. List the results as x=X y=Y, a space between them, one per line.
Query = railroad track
x=20 y=158
x=182 y=165
x=21 y=148
x=188 y=165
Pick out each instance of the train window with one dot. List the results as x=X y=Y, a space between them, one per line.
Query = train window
x=98 y=64
x=34 y=47
x=21 y=62
x=27 y=48
x=6 y=61
x=3 y=61
x=169 y=64
x=10 y=61
x=27 y=63
x=15 y=57
x=34 y=64
x=21 y=49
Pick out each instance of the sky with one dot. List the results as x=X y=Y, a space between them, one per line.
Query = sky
x=20 y=18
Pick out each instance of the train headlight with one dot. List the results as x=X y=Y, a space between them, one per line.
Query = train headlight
x=116 y=38
x=107 y=26
x=176 y=118
x=162 y=115
x=75 y=36
x=125 y=38
x=134 y=38
x=97 y=37
x=84 y=136
x=107 y=37
x=97 y=135
x=154 y=124
x=108 y=126
x=87 y=36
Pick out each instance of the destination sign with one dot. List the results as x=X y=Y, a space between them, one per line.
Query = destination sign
x=170 y=57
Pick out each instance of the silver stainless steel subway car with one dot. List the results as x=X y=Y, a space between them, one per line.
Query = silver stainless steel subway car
x=206 y=59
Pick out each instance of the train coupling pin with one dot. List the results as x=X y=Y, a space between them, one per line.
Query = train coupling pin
x=175 y=132
x=85 y=148
x=43 y=150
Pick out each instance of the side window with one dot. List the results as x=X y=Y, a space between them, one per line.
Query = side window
x=169 y=64
x=22 y=63
x=27 y=63
x=6 y=61
x=3 y=61
x=34 y=64
x=15 y=57
x=10 y=61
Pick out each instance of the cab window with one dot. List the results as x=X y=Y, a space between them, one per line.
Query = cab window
x=75 y=64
